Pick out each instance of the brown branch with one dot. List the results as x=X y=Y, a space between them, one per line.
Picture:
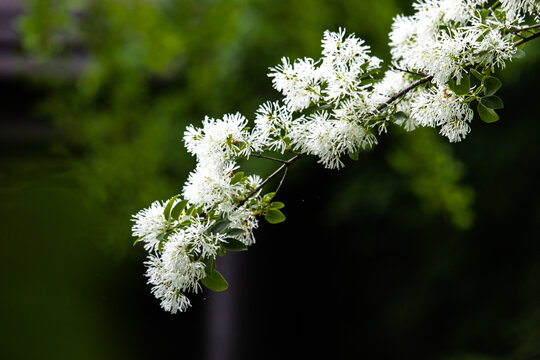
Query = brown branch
x=404 y=91
x=408 y=71
x=281 y=181
x=527 y=28
x=269 y=158
x=528 y=38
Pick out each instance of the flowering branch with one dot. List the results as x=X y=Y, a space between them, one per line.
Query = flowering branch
x=331 y=107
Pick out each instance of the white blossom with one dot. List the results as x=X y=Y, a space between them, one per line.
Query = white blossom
x=149 y=223
x=218 y=139
x=516 y=8
x=273 y=123
x=329 y=139
x=344 y=62
x=300 y=82
x=440 y=107
x=210 y=185
x=494 y=50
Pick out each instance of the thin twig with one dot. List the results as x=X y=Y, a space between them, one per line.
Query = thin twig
x=281 y=181
x=408 y=71
x=535 y=26
x=285 y=165
x=528 y=38
x=269 y=158
x=404 y=91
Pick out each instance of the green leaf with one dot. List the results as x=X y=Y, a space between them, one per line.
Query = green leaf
x=274 y=216
x=234 y=245
x=486 y=114
x=277 y=205
x=519 y=54
x=492 y=102
x=235 y=231
x=218 y=226
x=215 y=281
x=368 y=81
x=136 y=241
x=269 y=196
x=178 y=208
x=237 y=177
x=477 y=74
x=191 y=210
x=161 y=238
x=370 y=72
x=491 y=85
x=209 y=265
x=167 y=210
x=462 y=88
x=364 y=66
x=484 y=13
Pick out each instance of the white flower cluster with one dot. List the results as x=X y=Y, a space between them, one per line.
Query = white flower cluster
x=336 y=89
x=517 y=9
x=331 y=107
x=444 y=39
x=437 y=107
x=183 y=243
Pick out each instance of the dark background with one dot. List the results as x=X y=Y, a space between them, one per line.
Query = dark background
x=419 y=250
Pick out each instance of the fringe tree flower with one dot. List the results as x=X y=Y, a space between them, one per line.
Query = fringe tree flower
x=149 y=223
x=273 y=122
x=299 y=82
x=440 y=107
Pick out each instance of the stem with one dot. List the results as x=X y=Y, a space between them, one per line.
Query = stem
x=528 y=38
x=525 y=28
x=281 y=181
x=408 y=71
x=269 y=158
x=404 y=91
x=285 y=165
